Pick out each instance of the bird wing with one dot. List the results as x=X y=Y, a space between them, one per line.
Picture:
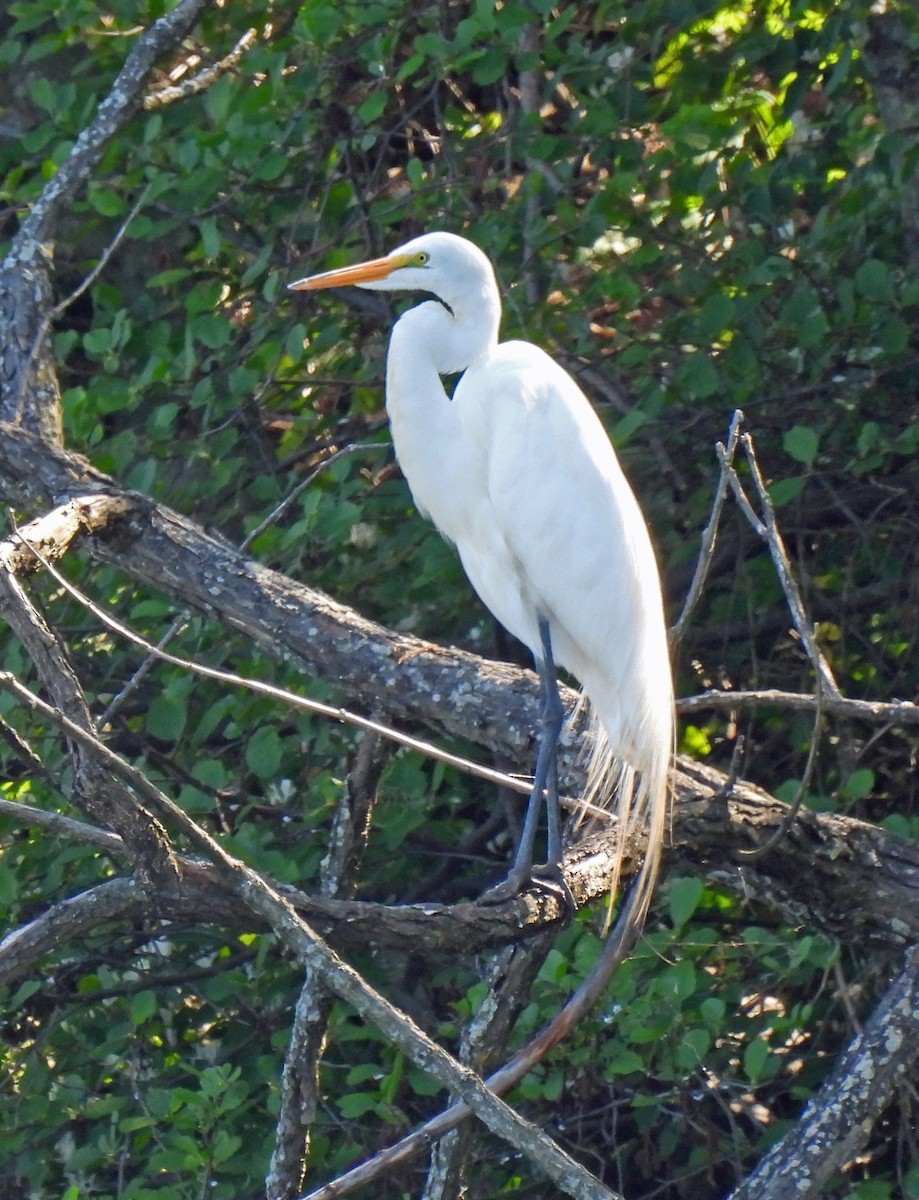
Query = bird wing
x=556 y=530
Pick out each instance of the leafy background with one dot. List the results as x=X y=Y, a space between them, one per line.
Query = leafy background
x=694 y=208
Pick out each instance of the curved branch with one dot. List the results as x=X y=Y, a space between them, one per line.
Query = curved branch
x=878 y=712
x=29 y=391
x=123 y=100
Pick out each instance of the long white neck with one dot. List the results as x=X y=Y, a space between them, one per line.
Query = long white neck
x=427 y=342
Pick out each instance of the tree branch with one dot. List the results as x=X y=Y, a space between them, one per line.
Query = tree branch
x=300 y=1077
x=29 y=393
x=838 y=1120
x=104 y=797
x=335 y=974
x=491 y=704
x=204 y=79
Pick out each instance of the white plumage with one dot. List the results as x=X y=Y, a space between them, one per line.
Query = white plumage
x=517 y=471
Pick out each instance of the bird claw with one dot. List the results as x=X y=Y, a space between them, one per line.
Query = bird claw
x=549 y=877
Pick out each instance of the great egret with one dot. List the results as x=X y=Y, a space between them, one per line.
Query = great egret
x=517 y=471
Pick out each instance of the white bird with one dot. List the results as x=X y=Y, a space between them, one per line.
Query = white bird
x=517 y=471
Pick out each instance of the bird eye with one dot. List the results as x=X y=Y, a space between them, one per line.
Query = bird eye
x=421 y=258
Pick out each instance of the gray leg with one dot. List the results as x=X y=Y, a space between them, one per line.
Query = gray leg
x=545 y=782
x=545 y=779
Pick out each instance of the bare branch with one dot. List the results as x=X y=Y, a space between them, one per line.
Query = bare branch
x=67 y=921
x=300 y=1077
x=509 y=977
x=488 y=703
x=203 y=79
x=29 y=392
x=615 y=950
x=17 y=401
x=710 y=534
x=316 y=707
x=58 y=825
x=838 y=1120
x=347 y=984
x=894 y=713
x=123 y=99
x=767 y=528
x=105 y=798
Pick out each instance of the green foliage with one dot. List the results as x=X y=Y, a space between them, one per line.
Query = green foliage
x=708 y=210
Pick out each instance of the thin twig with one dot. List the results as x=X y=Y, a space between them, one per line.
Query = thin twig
x=615 y=949
x=299 y=1094
x=121 y=698
x=182 y=619
x=204 y=78
x=882 y=712
x=710 y=534
x=803 y=787
x=298 y=491
x=83 y=286
x=60 y=826
x=767 y=528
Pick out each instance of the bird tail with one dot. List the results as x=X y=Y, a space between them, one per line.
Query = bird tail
x=638 y=795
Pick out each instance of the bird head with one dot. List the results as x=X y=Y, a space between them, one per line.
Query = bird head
x=441 y=263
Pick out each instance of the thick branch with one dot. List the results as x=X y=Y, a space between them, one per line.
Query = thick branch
x=840 y=875
x=102 y=795
x=258 y=895
x=838 y=1120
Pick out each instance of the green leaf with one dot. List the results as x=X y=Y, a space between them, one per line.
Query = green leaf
x=692 y=1048
x=263 y=752
x=143 y=1006
x=755 y=1057
x=784 y=490
x=683 y=898
x=679 y=981
x=858 y=785
x=210 y=237
x=490 y=67
x=97 y=342
x=873 y=280
x=371 y=108
x=271 y=167
x=26 y=989
x=43 y=93
x=801 y=443
x=212 y=330
x=166 y=716
x=713 y=1009
x=414 y=170
x=625 y=1062
x=357 y=1104
x=107 y=201
x=893 y=335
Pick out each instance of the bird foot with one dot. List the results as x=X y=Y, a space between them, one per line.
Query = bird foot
x=549 y=877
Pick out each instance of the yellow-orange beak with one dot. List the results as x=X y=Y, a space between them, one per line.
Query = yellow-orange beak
x=365 y=272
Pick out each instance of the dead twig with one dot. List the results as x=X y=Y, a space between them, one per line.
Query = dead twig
x=205 y=78
x=767 y=528
x=300 y=1077
x=710 y=533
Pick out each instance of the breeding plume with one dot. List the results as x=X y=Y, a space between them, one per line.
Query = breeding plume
x=517 y=472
